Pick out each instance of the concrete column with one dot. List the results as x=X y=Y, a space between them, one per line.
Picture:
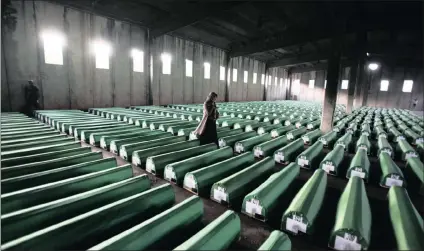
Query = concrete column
x=351 y=89
x=330 y=95
x=227 y=72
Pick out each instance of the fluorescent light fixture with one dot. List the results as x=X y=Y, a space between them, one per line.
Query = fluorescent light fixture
x=407 y=85
x=53 y=47
x=138 y=60
x=189 y=68
x=255 y=76
x=345 y=84
x=245 y=76
x=207 y=71
x=311 y=84
x=373 y=66
x=221 y=72
x=234 y=75
x=384 y=85
x=102 y=50
x=166 y=63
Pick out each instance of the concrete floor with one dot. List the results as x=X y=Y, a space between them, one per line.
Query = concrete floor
x=255 y=232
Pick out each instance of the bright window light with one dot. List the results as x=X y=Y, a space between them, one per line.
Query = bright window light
x=287 y=83
x=384 y=85
x=53 y=46
x=102 y=49
x=325 y=84
x=345 y=84
x=228 y=75
x=189 y=68
x=281 y=82
x=151 y=68
x=221 y=73
x=407 y=86
x=245 y=76
x=296 y=87
x=138 y=60
x=234 y=75
x=262 y=79
x=255 y=76
x=311 y=84
x=207 y=71
x=166 y=63
x=269 y=79
x=275 y=81
x=373 y=66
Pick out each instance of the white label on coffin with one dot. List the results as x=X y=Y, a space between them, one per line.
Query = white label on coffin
x=419 y=140
x=295 y=226
x=409 y=155
x=189 y=182
x=341 y=243
x=123 y=153
x=388 y=151
x=279 y=157
x=113 y=148
x=366 y=133
x=169 y=173
x=323 y=141
x=357 y=173
x=393 y=182
x=383 y=135
x=253 y=207
x=400 y=138
x=258 y=152
x=305 y=139
x=136 y=160
x=149 y=165
x=302 y=162
x=239 y=148
x=219 y=195
x=341 y=144
x=102 y=143
x=83 y=136
x=222 y=143
x=363 y=147
x=328 y=167
x=289 y=136
x=92 y=140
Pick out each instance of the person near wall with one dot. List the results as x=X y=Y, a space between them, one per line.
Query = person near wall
x=206 y=130
x=32 y=95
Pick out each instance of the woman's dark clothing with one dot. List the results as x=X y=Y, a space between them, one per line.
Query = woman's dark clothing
x=209 y=134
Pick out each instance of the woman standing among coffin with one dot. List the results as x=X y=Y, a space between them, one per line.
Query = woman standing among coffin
x=206 y=130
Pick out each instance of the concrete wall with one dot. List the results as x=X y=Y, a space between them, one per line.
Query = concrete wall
x=393 y=98
x=78 y=84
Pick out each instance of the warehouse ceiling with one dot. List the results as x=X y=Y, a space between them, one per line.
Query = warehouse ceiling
x=280 y=33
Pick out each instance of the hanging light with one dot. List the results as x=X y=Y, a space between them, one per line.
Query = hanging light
x=373 y=66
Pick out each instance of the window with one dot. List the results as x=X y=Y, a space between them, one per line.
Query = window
x=245 y=76
x=255 y=76
x=384 y=85
x=287 y=83
x=281 y=82
x=407 y=86
x=229 y=75
x=53 y=45
x=325 y=84
x=151 y=68
x=269 y=79
x=138 y=60
x=275 y=81
x=296 y=87
x=311 y=84
x=102 y=50
x=166 y=63
x=262 y=79
x=345 y=84
x=234 y=75
x=189 y=68
x=207 y=72
x=221 y=73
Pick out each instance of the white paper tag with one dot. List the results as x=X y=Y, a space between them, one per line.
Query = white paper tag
x=222 y=143
x=310 y=126
x=258 y=152
x=328 y=167
x=323 y=141
x=287 y=123
x=400 y=138
x=123 y=153
x=348 y=243
x=169 y=173
x=419 y=140
x=136 y=160
x=149 y=165
x=295 y=226
x=189 y=181
x=383 y=135
x=239 y=148
x=302 y=162
x=366 y=133
x=113 y=148
x=305 y=139
x=253 y=207
x=289 y=136
x=92 y=141
x=274 y=134
x=102 y=143
x=83 y=136
x=219 y=194
x=341 y=144
x=388 y=151
x=261 y=131
x=393 y=182
x=279 y=157
x=411 y=154
x=363 y=147
x=357 y=173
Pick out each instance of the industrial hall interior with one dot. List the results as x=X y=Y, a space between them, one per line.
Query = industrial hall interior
x=212 y=125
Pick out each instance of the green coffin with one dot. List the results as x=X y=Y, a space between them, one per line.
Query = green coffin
x=384 y=146
x=313 y=124
x=156 y=164
x=201 y=180
x=328 y=138
x=277 y=240
x=262 y=200
x=352 y=229
x=105 y=141
x=38 y=143
x=331 y=162
x=406 y=220
x=37 y=150
x=268 y=128
x=282 y=130
x=359 y=165
x=140 y=237
x=186 y=131
x=56 y=174
x=345 y=141
x=23 y=222
x=243 y=124
x=255 y=126
x=269 y=147
x=52 y=191
x=43 y=156
x=175 y=128
x=139 y=157
x=296 y=133
x=77 y=133
x=363 y=143
x=288 y=152
x=217 y=235
x=24 y=136
x=84 y=230
x=36 y=139
x=95 y=138
x=176 y=171
x=115 y=144
x=305 y=206
x=310 y=137
x=221 y=131
x=231 y=140
x=84 y=135
x=308 y=158
x=391 y=175
x=248 y=144
x=232 y=189
x=415 y=168
x=379 y=130
x=395 y=134
x=405 y=150
x=163 y=126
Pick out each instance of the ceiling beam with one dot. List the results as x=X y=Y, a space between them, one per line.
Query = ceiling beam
x=294 y=60
x=319 y=67
x=190 y=16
